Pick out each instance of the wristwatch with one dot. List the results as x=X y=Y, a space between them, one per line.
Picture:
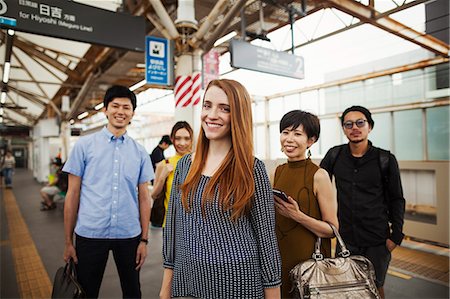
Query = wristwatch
x=144 y=241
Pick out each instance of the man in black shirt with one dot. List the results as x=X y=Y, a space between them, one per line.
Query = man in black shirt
x=369 y=192
x=157 y=154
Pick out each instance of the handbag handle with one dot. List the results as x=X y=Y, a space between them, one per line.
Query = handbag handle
x=69 y=269
x=318 y=256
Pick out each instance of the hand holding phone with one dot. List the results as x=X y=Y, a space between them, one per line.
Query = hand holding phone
x=280 y=194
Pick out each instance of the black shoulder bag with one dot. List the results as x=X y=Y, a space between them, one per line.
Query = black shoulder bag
x=65 y=284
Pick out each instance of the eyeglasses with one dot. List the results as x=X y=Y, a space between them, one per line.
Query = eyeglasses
x=359 y=123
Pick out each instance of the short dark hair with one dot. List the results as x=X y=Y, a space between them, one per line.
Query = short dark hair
x=181 y=125
x=309 y=121
x=165 y=139
x=361 y=109
x=119 y=91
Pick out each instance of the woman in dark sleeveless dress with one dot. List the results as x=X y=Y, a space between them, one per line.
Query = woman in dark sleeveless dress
x=310 y=198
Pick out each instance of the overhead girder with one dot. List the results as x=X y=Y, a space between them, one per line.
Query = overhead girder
x=32 y=51
x=369 y=15
x=28 y=95
x=234 y=10
x=94 y=57
x=347 y=27
x=7 y=115
x=30 y=118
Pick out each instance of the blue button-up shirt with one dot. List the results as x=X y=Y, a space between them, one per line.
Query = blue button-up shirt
x=110 y=169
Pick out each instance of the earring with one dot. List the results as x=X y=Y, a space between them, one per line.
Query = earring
x=309 y=153
x=282 y=150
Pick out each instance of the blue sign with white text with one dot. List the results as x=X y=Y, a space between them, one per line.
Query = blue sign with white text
x=158 y=61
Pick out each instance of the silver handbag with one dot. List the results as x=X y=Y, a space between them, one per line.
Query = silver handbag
x=346 y=276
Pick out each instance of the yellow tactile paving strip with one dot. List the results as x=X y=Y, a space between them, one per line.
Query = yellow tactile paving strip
x=32 y=278
x=423 y=264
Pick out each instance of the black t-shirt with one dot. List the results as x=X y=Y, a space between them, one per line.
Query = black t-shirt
x=157 y=156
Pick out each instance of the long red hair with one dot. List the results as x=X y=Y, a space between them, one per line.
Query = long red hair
x=235 y=175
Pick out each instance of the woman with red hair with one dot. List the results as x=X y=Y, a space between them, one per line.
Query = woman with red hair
x=219 y=239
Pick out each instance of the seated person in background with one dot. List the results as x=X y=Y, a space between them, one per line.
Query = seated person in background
x=58 y=185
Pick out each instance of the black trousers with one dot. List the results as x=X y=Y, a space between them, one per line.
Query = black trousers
x=92 y=258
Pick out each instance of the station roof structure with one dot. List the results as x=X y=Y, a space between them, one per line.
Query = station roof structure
x=44 y=69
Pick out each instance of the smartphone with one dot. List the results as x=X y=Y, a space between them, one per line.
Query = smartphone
x=280 y=194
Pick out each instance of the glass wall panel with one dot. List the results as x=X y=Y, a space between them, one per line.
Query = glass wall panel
x=408 y=87
x=331 y=99
x=258 y=112
x=274 y=140
x=381 y=135
x=275 y=109
x=378 y=92
x=352 y=94
x=438 y=133
x=309 y=101
x=260 y=142
x=330 y=134
x=408 y=134
x=291 y=102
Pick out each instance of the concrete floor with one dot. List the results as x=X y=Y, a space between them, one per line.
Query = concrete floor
x=46 y=230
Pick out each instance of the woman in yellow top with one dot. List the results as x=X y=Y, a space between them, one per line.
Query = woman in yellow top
x=310 y=205
x=181 y=137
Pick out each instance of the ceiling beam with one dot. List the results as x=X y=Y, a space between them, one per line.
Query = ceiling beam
x=46 y=83
x=8 y=116
x=27 y=95
x=32 y=51
x=351 y=26
x=76 y=104
x=366 y=14
x=31 y=118
x=224 y=24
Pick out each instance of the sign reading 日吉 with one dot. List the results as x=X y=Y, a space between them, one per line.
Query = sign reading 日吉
x=74 y=21
x=158 y=61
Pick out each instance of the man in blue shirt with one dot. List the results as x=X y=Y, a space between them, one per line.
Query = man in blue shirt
x=107 y=203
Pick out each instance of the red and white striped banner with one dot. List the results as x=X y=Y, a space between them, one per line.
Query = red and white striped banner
x=196 y=88
x=187 y=90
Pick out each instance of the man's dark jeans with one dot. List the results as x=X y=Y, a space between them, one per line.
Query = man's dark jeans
x=92 y=258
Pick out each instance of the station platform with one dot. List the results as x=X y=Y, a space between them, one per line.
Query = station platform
x=32 y=244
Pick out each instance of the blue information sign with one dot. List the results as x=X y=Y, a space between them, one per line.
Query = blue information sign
x=158 y=61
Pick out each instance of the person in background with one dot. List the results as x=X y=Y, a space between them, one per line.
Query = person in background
x=157 y=154
x=2 y=158
x=9 y=163
x=219 y=238
x=108 y=203
x=371 y=203
x=181 y=137
x=58 y=185
x=311 y=203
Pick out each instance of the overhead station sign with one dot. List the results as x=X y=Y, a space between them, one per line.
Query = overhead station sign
x=74 y=21
x=158 y=61
x=247 y=56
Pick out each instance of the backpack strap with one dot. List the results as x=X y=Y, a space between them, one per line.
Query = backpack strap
x=383 y=161
x=334 y=153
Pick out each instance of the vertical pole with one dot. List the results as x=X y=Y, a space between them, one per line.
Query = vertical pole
x=291 y=21
x=243 y=24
